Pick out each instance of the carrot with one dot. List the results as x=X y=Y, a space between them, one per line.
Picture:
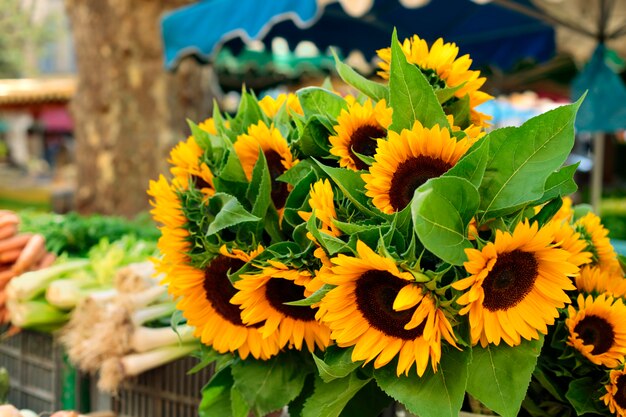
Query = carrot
x=29 y=256
x=47 y=260
x=8 y=230
x=15 y=242
x=9 y=218
x=5 y=276
x=10 y=255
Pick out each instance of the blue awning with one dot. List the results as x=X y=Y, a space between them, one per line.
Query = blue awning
x=491 y=34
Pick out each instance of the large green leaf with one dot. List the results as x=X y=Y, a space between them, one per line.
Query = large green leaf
x=560 y=183
x=229 y=211
x=441 y=209
x=314 y=138
x=584 y=395
x=248 y=113
x=410 y=94
x=499 y=375
x=337 y=363
x=270 y=385
x=371 y=89
x=521 y=160
x=330 y=398
x=318 y=101
x=437 y=394
x=472 y=165
x=238 y=405
x=216 y=395
x=369 y=401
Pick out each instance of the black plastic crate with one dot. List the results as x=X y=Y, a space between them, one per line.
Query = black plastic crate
x=167 y=391
x=35 y=365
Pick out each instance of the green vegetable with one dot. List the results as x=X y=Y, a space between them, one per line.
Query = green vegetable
x=75 y=234
x=34 y=283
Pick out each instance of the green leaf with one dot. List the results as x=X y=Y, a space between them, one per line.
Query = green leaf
x=297 y=199
x=259 y=191
x=472 y=165
x=314 y=138
x=337 y=363
x=445 y=94
x=269 y=385
x=369 y=401
x=560 y=184
x=584 y=396
x=460 y=109
x=441 y=209
x=317 y=101
x=201 y=136
x=547 y=212
x=314 y=298
x=239 y=406
x=216 y=395
x=297 y=172
x=330 y=398
x=371 y=89
x=351 y=185
x=439 y=394
x=522 y=159
x=229 y=211
x=248 y=113
x=331 y=244
x=295 y=407
x=499 y=375
x=410 y=94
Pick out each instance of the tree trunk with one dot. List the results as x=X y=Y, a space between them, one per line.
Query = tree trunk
x=128 y=110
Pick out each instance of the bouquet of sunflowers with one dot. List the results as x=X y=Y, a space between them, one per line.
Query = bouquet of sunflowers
x=336 y=254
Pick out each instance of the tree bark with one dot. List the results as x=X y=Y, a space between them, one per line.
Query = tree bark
x=128 y=110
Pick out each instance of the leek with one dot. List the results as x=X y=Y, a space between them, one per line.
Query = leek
x=31 y=284
x=146 y=338
x=67 y=293
x=115 y=369
x=34 y=314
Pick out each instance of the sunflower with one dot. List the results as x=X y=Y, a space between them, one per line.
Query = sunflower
x=382 y=312
x=322 y=202
x=357 y=129
x=443 y=69
x=407 y=160
x=271 y=105
x=597 y=329
x=262 y=298
x=615 y=397
x=566 y=238
x=187 y=166
x=276 y=151
x=472 y=133
x=205 y=302
x=209 y=126
x=167 y=210
x=594 y=280
x=517 y=283
x=598 y=243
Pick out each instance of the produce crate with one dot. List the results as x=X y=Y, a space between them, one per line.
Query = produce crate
x=34 y=362
x=40 y=379
x=167 y=391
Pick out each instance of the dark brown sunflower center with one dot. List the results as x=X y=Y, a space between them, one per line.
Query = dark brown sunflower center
x=200 y=182
x=511 y=279
x=218 y=290
x=620 y=395
x=279 y=291
x=276 y=168
x=363 y=142
x=375 y=293
x=596 y=331
x=412 y=173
